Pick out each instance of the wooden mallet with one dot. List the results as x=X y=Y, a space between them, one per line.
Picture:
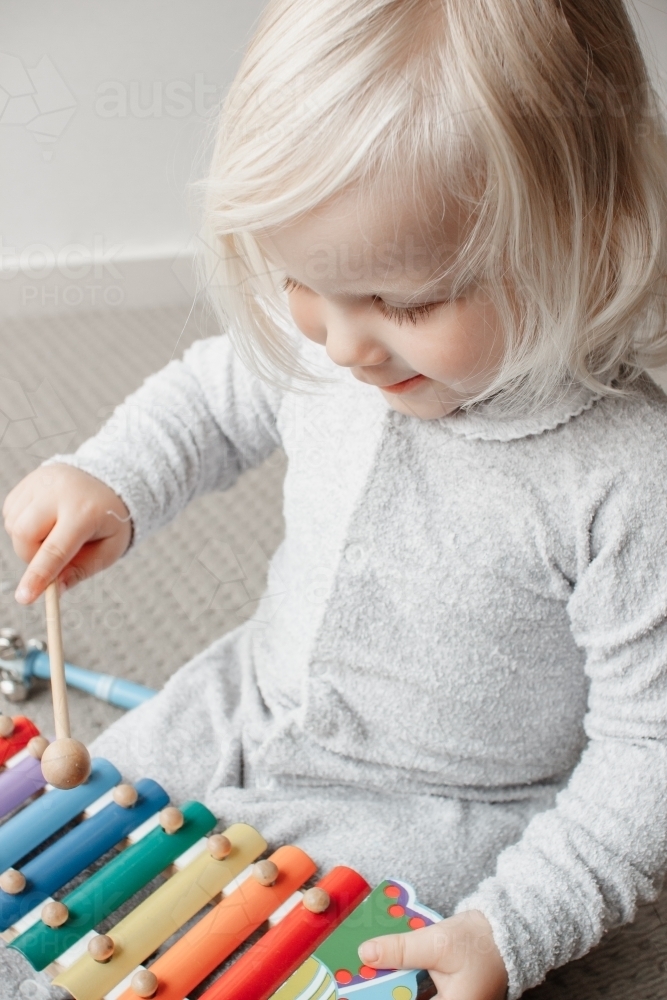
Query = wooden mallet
x=65 y=762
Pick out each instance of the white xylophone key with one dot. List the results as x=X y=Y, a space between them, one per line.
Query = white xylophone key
x=98 y=804
x=236 y=882
x=285 y=908
x=118 y=991
x=193 y=852
x=17 y=758
x=145 y=828
x=31 y=917
x=74 y=953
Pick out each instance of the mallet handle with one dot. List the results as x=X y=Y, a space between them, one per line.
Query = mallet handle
x=57 y=662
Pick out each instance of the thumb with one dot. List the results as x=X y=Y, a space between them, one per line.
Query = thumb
x=420 y=949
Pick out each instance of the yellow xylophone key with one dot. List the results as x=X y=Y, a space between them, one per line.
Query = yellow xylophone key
x=148 y=926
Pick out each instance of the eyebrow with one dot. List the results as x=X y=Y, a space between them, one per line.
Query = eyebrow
x=345 y=293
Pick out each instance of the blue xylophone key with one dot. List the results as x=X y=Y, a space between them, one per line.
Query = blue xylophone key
x=46 y=815
x=19 y=782
x=71 y=854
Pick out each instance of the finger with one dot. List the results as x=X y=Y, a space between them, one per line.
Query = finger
x=59 y=546
x=91 y=558
x=30 y=527
x=15 y=501
x=425 y=948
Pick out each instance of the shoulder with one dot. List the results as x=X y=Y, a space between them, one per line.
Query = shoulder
x=631 y=428
x=610 y=462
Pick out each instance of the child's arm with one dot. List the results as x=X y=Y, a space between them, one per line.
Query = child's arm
x=583 y=866
x=191 y=428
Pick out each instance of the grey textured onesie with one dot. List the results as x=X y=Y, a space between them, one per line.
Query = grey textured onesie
x=458 y=672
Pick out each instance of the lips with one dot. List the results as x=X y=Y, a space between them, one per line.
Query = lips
x=405 y=386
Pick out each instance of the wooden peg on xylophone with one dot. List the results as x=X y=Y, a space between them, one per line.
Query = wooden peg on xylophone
x=266 y=872
x=316 y=900
x=219 y=846
x=12 y=882
x=54 y=914
x=6 y=725
x=101 y=948
x=125 y=795
x=65 y=762
x=37 y=746
x=144 y=983
x=171 y=819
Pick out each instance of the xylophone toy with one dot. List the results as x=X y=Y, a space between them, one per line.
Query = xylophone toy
x=308 y=948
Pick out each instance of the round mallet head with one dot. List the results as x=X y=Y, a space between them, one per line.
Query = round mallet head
x=54 y=914
x=65 y=763
x=144 y=983
x=316 y=900
x=37 y=746
x=101 y=948
x=6 y=725
x=12 y=882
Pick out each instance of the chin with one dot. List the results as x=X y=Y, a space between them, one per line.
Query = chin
x=422 y=409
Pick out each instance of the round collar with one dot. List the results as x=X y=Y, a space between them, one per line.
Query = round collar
x=481 y=421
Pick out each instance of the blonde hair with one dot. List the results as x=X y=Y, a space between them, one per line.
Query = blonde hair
x=538 y=116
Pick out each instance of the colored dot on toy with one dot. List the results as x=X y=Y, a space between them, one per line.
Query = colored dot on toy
x=266 y=872
x=171 y=820
x=316 y=900
x=6 y=725
x=66 y=763
x=144 y=983
x=392 y=891
x=125 y=795
x=54 y=914
x=12 y=882
x=366 y=972
x=396 y=910
x=416 y=922
x=101 y=948
x=219 y=846
x=343 y=976
x=37 y=746
x=402 y=993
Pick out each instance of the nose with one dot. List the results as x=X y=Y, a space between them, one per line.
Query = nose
x=351 y=341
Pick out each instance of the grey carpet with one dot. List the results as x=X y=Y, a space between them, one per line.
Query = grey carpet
x=60 y=376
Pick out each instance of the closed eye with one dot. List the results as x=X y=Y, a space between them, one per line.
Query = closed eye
x=398 y=314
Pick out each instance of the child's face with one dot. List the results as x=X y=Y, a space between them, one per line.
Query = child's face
x=355 y=280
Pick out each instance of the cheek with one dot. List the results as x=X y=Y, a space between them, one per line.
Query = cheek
x=466 y=340
x=307 y=315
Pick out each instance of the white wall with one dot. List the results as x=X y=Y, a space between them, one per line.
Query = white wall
x=103 y=108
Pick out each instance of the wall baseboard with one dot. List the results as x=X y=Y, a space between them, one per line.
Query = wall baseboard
x=157 y=278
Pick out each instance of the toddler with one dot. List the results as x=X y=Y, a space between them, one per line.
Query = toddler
x=435 y=232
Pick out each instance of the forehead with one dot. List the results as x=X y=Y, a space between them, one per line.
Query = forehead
x=370 y=243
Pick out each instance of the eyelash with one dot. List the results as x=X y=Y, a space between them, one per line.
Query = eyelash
x=398 y=314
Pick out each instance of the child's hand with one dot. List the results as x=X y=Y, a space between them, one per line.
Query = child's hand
x=459 y=953
x=66 y=524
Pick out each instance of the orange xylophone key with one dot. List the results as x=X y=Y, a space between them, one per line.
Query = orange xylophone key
x=271 y=961
x=226 y=926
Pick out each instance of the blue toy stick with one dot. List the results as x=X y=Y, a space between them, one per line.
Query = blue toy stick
x=20 y=664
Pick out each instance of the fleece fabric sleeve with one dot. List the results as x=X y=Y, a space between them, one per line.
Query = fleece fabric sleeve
x=584 y=865
x=190 y=428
